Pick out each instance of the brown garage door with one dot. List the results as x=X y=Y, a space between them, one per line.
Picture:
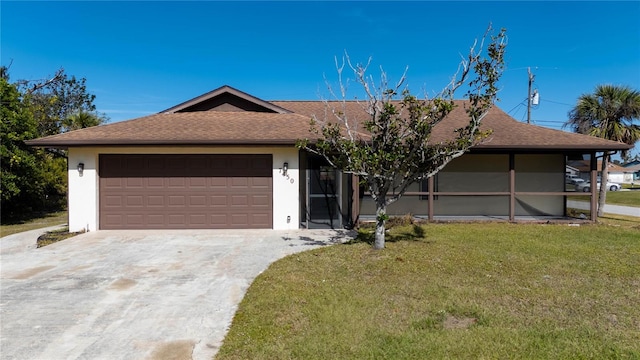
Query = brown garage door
x=190 y=191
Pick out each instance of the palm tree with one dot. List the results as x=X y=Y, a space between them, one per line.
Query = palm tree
x=611 y=113
x=82 y=119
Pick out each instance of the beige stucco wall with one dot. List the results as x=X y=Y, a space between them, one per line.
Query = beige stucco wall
x=540 y=173
x=474 y=173
x=83 y=190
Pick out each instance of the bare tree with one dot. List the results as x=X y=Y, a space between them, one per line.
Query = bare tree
x=391 y=148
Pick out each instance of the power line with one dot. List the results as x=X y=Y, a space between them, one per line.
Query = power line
x=550 y=121
x=521 y=104
x=555 y=102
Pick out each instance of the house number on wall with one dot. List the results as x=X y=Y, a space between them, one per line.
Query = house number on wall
x=289 y=178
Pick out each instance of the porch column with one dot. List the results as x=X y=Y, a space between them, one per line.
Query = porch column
x=430 y=196
x=594 y=187
x=355 y=199
x=512 y=187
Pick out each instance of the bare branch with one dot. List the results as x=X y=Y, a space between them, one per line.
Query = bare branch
x=39 y=84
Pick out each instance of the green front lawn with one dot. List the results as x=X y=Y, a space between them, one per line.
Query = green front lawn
x=442 y=291
x=626 y=198
x=46 y=220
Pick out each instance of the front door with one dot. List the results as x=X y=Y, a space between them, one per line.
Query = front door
x=323 y=184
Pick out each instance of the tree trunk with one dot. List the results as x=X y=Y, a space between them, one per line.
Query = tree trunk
x=604 y=177
x=381 y=219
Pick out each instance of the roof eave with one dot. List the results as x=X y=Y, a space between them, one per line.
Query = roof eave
x=63 y=144
x=580 y=147
x=84 y=143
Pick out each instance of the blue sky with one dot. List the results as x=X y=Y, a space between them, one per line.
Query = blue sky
x=143 y=57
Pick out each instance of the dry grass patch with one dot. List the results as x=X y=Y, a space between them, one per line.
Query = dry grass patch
x=450 y=291
x=54 y=236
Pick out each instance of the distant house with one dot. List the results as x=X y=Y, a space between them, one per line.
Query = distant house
x=616 y=172
x=633 y=167
x=571 y=171
x=227 y=159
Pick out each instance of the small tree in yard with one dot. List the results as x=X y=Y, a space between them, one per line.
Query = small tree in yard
x=390 y=149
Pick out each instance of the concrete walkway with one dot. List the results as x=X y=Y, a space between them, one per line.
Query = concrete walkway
x=133 y=294
x=608 y=208
x=23 y=241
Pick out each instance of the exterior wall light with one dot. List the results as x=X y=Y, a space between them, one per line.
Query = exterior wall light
x=285 y=167
x=80 y=168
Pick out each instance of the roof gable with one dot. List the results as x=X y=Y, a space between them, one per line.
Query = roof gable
x=226 y=98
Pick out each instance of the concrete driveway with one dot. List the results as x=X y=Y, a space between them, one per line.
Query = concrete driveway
x=133 y=294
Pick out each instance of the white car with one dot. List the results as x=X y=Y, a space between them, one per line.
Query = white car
x=577 y=181
x=586 y=186
x=573 y=179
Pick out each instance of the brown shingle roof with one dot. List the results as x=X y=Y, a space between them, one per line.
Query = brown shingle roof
x=263 y=128
x=507 y=133
x=193 y=128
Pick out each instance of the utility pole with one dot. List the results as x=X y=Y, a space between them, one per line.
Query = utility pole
x=529 y=97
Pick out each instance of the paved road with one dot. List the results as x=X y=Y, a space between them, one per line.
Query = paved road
x=133 y=294
x=608 y=208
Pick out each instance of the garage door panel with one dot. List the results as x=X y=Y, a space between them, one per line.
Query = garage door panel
x=262 y=219
x=111 y=183
x=218 y=182
x=261 y=183
x=134 y=183
x=156 y=164
x=260 y=200
x=218 y=200
x=176 y=219
x=185 y=191
x=179 y=183
x=239 y=200
x=176 y=200
x=136 y=220
x=239 y=183
x=134 y=201
x=157 y=183
x=112 y=201
x=155 y=219
x=197 y=200
x=112 y=219
x=239 y=220
x=155 y=201
x=198 y=220
x=218 y=220
x=197 y=182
